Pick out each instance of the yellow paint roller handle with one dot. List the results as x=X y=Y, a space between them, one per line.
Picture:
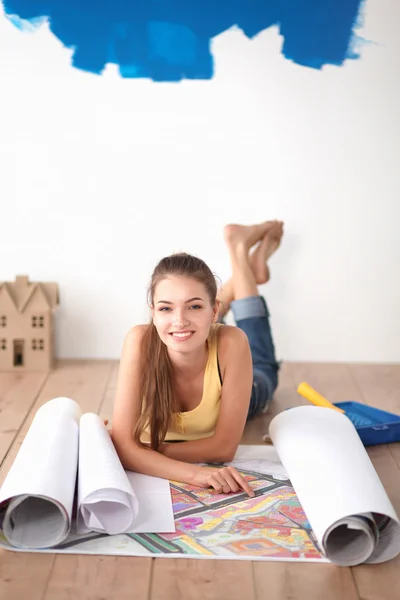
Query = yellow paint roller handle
x=313 y=396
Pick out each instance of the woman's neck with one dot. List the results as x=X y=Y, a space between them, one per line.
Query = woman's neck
x=192 y=364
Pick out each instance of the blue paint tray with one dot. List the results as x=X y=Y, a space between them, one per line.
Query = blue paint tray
x=373 y=426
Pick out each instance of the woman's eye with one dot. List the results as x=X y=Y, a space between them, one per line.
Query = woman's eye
x=164 y=308
x=196 y=306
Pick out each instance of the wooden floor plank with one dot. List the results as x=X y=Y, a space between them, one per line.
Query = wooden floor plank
x=83 y=381
x=99 y=578
x=395 y=452
x=187 y=579
x=6 y=440
x=23 y=575
x=114 y=374
x=378 y=582
x=332 y=380
x=296 y=581
x=92 y=384
x=379 y=384
x=18 y=392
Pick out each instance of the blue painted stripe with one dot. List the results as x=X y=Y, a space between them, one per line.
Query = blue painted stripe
x=168 y=40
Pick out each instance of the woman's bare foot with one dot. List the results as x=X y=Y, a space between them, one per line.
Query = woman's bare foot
x=268 y=245
x=245 y=236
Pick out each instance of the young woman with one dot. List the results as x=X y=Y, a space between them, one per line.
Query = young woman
x=187 y=377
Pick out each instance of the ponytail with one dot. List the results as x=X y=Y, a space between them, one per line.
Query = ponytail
x=155 y=389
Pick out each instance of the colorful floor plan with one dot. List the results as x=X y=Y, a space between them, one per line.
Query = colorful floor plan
x=270 y=526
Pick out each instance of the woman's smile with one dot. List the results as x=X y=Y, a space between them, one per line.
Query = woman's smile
x=182 y=336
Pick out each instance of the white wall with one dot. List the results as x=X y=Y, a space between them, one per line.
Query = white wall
x=101 y=177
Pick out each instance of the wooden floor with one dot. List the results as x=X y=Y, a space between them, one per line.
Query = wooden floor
x=61 y=577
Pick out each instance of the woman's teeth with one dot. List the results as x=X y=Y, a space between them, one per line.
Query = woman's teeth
x=182 y=335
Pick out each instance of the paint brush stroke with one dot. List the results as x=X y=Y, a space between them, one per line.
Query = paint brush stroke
x=169 y=40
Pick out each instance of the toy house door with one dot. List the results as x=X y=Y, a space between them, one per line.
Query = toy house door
x=18 y=353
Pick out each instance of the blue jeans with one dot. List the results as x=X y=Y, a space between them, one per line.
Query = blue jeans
x=252 y=316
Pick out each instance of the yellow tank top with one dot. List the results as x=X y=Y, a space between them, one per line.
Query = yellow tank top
x=201 y=421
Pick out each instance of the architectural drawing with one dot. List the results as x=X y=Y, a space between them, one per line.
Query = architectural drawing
x=270 y=526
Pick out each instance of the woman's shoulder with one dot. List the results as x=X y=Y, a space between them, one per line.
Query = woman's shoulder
x=135 y=335
x=231 y=338
x=232 y=342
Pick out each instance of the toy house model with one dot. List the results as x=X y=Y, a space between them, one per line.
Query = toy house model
x=26 y=325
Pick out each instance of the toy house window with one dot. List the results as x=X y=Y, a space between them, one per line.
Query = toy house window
x=3 y=344
x=3 y=321
x=37 y=344
x=37 y=321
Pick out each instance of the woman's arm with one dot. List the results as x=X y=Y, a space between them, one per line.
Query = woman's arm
x=134 y=456
x=235 y=356
x=127 y=407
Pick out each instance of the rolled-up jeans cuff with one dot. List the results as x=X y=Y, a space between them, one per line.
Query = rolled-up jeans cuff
x=246 y=308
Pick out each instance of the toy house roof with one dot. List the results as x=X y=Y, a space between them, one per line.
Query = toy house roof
x=22 y=295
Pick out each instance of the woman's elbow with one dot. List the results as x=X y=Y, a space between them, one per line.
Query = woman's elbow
x=224 y=453
x=226 y=457
x=230 y=454
x=126 y=449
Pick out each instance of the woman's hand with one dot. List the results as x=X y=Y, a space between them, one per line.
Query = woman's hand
x=224 y=480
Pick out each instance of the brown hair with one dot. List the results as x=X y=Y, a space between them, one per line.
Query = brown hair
x=156 y=379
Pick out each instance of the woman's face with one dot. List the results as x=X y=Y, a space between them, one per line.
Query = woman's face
x=182 y=313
